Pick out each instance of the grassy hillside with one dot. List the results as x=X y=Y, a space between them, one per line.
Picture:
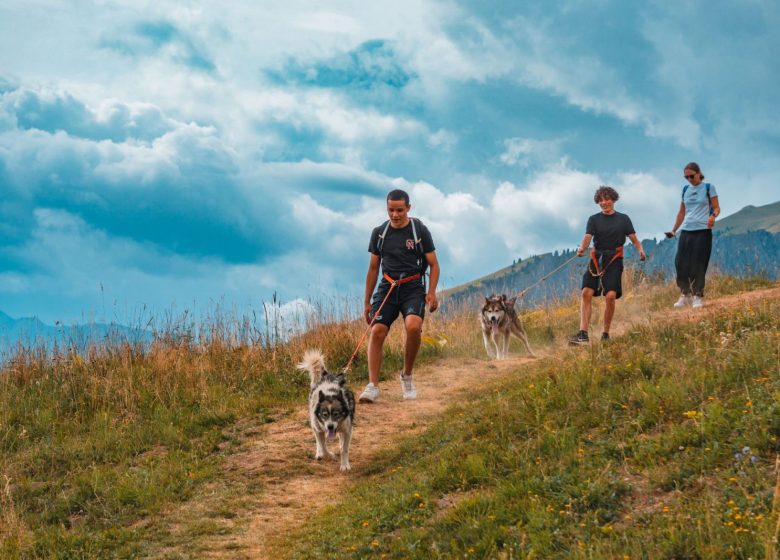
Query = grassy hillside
x=660 y=444
x=94 y=448
x=752 y=218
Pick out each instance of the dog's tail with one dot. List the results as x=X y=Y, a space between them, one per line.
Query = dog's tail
x=314 y=363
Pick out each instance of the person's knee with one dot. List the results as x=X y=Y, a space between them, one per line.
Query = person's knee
x=378 y=333
x=413 y=325
x=587 y=294
x=611 y=297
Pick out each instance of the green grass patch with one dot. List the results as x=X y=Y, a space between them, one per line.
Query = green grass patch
x=94 y=447
x=659 y=444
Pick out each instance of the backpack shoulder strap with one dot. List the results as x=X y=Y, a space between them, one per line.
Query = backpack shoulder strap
x=380 y=241
x=417 y=240
x=685 y=188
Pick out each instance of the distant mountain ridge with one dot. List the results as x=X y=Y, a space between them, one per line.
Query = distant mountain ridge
x=752 y=218
x=746 y=243
x=31 y=332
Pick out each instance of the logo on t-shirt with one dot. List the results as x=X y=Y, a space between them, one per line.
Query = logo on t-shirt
x=410 y=244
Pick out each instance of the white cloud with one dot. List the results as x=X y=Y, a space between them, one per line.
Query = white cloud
x=525 y=151
x=265 y=164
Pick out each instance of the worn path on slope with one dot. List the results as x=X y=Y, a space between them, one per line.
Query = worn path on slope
x=280 y=455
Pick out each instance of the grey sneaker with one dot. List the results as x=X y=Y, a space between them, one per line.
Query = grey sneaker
x=407 y=386
x=697 y=302
x=683 y=301
x=370 y=394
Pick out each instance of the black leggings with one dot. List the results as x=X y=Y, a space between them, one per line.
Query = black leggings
x=693 y=257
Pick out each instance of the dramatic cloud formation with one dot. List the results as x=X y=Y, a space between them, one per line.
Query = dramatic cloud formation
x=202 y=155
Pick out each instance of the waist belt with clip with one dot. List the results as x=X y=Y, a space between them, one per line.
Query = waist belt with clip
x=594 y=259
x=402 y=280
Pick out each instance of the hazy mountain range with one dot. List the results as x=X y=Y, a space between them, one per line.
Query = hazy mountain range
x=30 y=332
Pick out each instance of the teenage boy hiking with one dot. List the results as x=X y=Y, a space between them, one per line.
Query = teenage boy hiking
x=404 y=248
x=609 y=230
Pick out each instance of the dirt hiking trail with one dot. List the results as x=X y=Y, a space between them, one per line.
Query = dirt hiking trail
x=279 y=456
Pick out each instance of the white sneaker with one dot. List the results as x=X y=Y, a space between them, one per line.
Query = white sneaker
x=370 y=394
x=407 y=386
x=683 y=301
x=697 y=302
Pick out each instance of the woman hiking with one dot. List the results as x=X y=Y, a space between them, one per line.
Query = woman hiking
x=695 y=218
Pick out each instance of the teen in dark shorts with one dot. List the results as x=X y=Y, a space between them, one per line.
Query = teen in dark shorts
x=404 y=249
x=608 y=229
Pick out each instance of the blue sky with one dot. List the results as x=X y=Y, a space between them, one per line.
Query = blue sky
x=163 y=155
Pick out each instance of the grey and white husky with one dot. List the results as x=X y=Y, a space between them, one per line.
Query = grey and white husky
x=331 y=407
x=498 y=320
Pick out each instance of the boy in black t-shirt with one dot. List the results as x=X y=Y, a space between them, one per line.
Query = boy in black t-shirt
x=609 y=230
x=404 y=248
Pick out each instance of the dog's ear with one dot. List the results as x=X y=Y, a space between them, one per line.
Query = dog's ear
x=503 y=297
x=322 y=396
x=511 y=302
x=487 y=299
x=341 y=380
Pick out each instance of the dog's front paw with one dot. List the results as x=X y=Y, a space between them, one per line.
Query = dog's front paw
x=345 y=466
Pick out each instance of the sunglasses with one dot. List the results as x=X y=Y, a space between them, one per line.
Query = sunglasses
x=689 y=177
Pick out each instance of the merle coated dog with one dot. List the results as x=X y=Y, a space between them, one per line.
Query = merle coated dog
x=331 y=407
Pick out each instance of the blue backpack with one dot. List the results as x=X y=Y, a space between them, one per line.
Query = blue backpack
x=707 y=186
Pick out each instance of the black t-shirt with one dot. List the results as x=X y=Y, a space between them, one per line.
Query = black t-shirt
x=399 y=254
x=609 y=231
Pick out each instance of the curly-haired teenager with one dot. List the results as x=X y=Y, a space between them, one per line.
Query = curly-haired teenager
x=608 y=229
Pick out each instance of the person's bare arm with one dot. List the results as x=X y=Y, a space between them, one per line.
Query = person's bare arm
x=371 y=278
x=584 y=244
x=638 y=246
x=677 y=221
x=433 y=280
x=715 y=211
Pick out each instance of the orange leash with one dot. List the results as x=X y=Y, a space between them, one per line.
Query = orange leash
x=618 y=255
x=393 y=284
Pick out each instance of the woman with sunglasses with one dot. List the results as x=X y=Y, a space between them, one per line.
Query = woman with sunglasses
x=698 y=210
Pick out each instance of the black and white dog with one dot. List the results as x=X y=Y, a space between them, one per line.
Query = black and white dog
x=331 y=407
x=498 y=320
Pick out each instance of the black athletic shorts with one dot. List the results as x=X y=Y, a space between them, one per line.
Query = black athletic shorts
x=610 y=281
x=407 y=299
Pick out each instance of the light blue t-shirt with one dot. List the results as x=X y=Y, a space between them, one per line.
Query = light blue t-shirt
x=697 y=207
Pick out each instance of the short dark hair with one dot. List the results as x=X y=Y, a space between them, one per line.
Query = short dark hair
x=693 y=166
x=398 y=194
x=605 y=192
